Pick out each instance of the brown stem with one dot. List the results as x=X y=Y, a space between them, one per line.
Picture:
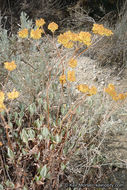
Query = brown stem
x=71 y=110
x=6 y=129
x=47 y=98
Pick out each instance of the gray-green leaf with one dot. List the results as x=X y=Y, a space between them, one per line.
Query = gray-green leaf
x=10 y=153
x=44 y=171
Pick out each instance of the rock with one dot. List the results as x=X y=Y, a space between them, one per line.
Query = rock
x=95 y=79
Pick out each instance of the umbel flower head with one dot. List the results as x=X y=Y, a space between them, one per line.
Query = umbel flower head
x=62 y=79
x=12 y=95
x=36 y=34
x=66 y=39
x=72 y=63
x=71 y=76
x=53 y=27
x=10 y=66
x=23 y=33
x=85 y=37
x=92 y=91
x=112 y=92
x=40 y=22
x=99 y=29
x=85 y=89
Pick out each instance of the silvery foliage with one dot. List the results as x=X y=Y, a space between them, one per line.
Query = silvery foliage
x=4 y=42
x=25 y=21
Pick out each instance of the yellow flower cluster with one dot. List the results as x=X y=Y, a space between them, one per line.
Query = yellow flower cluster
x=23 y=33
x=68 y=38
x=85 y=89
x=62 y=79
x=53 y=27
x=12 y=95
x=72 y=63
x=10 y=66
x=71 y=76
x=36 y=34
x=99 y=29
x=85 y=37
x=40 y=22
x=112 y=92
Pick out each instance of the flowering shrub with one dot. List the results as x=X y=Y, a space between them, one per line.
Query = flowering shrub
x=43 y=134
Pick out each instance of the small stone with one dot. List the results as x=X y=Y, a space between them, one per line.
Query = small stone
x=102 y=82
x=119 y=78
x=99 y=72
x=95 y=79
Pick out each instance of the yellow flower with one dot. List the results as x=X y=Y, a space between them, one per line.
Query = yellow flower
x=1 y=143
x=40 y=22
x=72 y=63
x=36 y=34
x=92 y=91
x=10 y=65
x=1 y=97
x=12 y=95
x=65 y=39
x=69 y=45
x=121 y=96
x=74 y=37
x=115 y=98
x=71 y=36
x=71 y=76
x=111 y=86
x=85 y=37
x=62 y=39
x=83 y=88
x=53 y=27
x=111 y=92
x=62 y=79
x=99 y=29
x=23 y=33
